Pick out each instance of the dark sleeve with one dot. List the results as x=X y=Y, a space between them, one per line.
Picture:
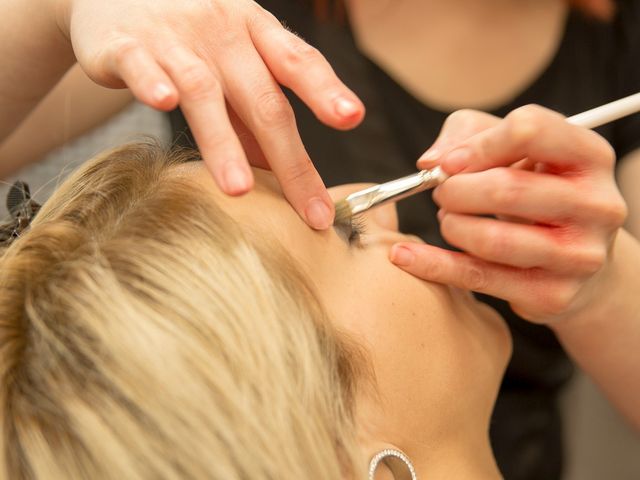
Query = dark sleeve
x=627 y=73
x=295 y=14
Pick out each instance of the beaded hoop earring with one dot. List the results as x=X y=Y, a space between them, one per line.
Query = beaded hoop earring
x=399 y=464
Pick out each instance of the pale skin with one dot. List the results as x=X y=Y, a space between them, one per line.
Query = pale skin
x=578 y=273
x=76 y=105
x=437 y=354
x=222 y=63
x=583 y=287
x=563 y=258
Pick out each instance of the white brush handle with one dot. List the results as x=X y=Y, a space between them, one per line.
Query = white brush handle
x=607 y=113
x=397 y=189
x=590 y=119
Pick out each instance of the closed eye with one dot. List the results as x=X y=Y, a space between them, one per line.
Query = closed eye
x=351 y=229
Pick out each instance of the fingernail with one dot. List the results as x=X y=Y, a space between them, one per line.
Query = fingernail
x=235 y=179
x=318 y=214
x=456 y=160
x=345 y=107
x=161 y=92
x=401 y=256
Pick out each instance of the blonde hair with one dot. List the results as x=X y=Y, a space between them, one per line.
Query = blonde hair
x=145 y=335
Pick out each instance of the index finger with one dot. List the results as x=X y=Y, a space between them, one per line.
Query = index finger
x=262 y=106
x=458 y=127
x=536 y=133
x=302 y=68
x=202 y=101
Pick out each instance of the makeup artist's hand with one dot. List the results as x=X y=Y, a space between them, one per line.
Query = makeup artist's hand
x=223 y=62
x=533 y=205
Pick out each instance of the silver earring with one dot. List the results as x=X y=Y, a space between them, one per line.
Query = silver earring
x=399 y=464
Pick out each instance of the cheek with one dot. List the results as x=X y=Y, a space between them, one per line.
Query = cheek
x=411 y=327
x=419 y=340
x=431 y=353
x=420 y=355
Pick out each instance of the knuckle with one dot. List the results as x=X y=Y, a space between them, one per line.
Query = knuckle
x=474 y=278
x=221 y=144
x=561 y=299
x=616 y=212
x=432 y=268
x=209 y=11
x=468 y=122
x=509 y=192
x=530 y=111
x=611 y=211
x=493 y=244
x=262 y=19
x=606 y=151
x=265 y=15
x=587 y=260
x=524 y=124
x=299 y=172
x=122 y=50
x=477 y=149
x=197 y=81
x=214 y=9
x=460 y=118
x=594 y=260
x=298 y=53
x=227 y=40
x=272 y=110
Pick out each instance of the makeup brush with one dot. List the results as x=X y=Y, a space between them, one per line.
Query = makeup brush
x=395 y=190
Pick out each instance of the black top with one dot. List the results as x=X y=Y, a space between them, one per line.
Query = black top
x=595 y=63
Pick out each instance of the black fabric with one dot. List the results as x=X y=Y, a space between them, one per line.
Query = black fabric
x=595 y=63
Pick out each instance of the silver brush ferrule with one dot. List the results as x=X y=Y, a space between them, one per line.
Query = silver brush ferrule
x=395 y=190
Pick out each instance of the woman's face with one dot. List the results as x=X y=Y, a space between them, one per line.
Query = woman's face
x=437 y=354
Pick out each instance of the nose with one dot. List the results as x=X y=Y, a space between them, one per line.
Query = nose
x=384 y=217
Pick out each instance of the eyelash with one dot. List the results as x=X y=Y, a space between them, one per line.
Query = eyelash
x=357 y=228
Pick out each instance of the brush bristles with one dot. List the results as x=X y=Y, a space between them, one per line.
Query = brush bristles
x=343 y=213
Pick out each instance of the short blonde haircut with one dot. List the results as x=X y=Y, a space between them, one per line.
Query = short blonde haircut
x=144 y=335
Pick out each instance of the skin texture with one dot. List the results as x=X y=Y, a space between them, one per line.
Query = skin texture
x=76 y=104
x=437 y=354
x=556 y=251
x=553 y=273
x=562 y=217
x=230 y=96
x=552 y=245
x=433 y=47
x=179 y=53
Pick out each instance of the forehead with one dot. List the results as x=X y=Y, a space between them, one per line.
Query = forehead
x=263 y=210
x=266 y=190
